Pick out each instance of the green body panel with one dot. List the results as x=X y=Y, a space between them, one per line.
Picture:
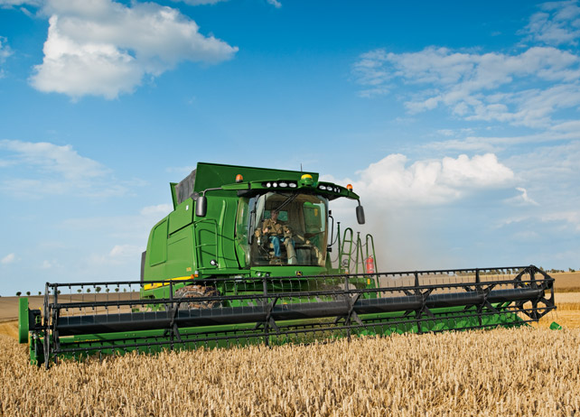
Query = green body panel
x=185 y=245
x=217 y=175
x=23 y=325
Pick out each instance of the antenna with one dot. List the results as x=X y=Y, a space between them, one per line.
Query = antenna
x=301 y=167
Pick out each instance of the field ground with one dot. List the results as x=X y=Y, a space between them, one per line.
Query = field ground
x=503 y=372
x=508 y=372
x=567 y=281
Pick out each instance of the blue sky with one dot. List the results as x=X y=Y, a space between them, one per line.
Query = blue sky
x=457 y=123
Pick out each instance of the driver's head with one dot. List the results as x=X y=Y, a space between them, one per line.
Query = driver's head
x=274 y=215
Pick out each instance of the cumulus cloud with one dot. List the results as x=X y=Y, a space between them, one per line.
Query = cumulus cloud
x=275 y=3
x=104 y=48
x=409 y=204
x=396 y=181
x=42 y=168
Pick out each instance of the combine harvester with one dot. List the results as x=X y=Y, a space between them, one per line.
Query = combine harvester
x=244 y=258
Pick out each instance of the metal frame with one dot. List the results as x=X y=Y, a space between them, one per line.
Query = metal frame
x=282 y=309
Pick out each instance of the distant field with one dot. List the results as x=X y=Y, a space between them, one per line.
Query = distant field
x=9 y=305
x=567 y=281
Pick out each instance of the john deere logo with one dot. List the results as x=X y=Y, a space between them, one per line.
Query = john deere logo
x=298 y=273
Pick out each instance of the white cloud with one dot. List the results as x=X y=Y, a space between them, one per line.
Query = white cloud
x=8 y=259
x=567 y=131
x=410 y=205
x=562 y=220
x=430 y=182
x=43 y=168
x=104 y=48
x=571 y=218
x=5 y=52
x=525 y=88
x=275 y=3
x=12 y=3
x=557 y=23
x=523 y=198
x=51 y=158
x=490 y=86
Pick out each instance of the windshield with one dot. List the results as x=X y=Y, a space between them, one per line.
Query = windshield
x=283 y=229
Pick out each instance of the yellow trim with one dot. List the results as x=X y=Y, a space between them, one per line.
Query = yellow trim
x=161 y=284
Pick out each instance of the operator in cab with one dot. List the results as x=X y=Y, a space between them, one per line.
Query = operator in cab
x=278 y=233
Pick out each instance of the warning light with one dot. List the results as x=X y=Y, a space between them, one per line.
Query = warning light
x=349 y=187
x=239 y=178
x=306 y=180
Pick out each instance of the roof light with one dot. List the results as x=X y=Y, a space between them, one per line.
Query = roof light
x=349 y=187
x=322 y=187
x=283 y=184
x=239 y=178
x=306 y=180
x=293 y=185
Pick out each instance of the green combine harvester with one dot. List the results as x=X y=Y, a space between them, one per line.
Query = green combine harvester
x=245 y=258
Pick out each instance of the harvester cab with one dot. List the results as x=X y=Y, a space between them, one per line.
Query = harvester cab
x=245 y=222
x=244 y=258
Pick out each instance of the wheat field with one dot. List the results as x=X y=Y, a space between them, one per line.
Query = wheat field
x=526 y=371
x=529 y=371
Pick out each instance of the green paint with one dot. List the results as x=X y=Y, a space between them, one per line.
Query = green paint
x=227 y=242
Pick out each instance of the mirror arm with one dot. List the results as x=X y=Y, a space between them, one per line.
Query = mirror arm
x=201 y=202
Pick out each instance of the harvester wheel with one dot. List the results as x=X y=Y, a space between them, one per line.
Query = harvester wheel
x=195 y=291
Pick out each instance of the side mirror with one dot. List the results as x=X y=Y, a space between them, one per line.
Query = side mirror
x=201 y=206
x=360 y=214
